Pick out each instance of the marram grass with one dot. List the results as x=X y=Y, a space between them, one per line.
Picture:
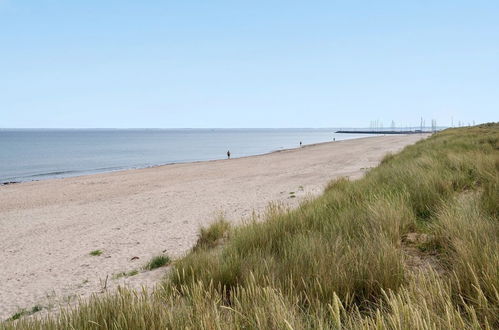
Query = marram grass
x=343 y=260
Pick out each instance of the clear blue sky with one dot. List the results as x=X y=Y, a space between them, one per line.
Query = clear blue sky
x=215 y=63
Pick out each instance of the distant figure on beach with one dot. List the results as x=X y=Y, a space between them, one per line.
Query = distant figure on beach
x=228 y=154
x=334 y=139
x=300 y=143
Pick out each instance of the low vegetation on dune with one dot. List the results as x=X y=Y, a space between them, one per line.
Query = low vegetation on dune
x=157 y=261
x=414 y=244
x=213 y=235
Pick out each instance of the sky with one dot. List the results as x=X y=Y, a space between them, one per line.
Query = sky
x=162 y=64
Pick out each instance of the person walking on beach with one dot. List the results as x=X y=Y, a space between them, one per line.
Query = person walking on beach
x=228 y=154
x=300 y=143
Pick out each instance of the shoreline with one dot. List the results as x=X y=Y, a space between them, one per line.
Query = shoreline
x=19 y=181
x=51 y=226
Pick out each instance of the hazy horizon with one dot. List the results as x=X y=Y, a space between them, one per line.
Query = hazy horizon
x=222 y=128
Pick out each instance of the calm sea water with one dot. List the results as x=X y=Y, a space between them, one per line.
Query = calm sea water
x=37 y=154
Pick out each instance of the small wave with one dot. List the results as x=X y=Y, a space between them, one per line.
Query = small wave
x=52 y=173
x=58 y=174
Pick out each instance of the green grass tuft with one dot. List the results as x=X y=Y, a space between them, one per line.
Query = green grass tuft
x=24 y=312
x=17 y=315
x=36 y=309
x=132 y=272
x=157 y=261
x=126 y=274
x=213 y=235
x=96 y=253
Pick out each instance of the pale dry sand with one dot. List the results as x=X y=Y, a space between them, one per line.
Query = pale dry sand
x=48 y=228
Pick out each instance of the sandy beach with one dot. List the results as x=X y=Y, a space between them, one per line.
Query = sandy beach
x=50 y=227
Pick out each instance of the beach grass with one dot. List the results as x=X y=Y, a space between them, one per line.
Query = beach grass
x=158 y=261
x=96 y=253
x=213 y=235
x=133 y=272
x=414 y=244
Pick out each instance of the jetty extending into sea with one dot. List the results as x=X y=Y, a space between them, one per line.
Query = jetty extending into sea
x=385 y=132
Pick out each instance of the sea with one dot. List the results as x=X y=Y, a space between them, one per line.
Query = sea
x=38 y=154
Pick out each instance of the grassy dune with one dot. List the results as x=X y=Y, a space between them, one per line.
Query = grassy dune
x=414 y=244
